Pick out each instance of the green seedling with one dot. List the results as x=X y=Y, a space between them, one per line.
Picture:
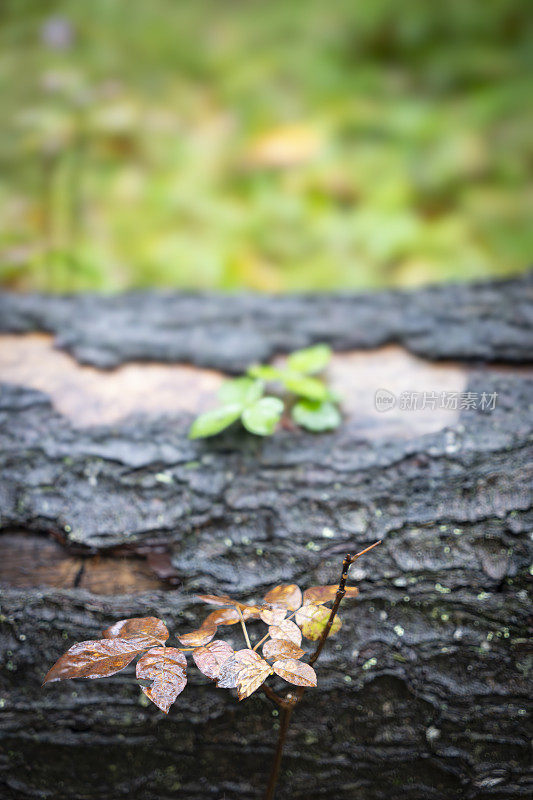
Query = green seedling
x=312 y=404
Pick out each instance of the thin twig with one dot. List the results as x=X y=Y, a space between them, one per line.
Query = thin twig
x=260 y=642
x=273 y=696
x=288 y=703
x=341 y=591
x=243 y=625
x=286 y=714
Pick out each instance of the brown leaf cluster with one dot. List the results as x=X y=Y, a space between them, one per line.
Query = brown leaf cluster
x=287 y=613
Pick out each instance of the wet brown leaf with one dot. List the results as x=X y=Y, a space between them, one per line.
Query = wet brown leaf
x=199 y=637
x=324 y=594
x=211 y=658
x=286 y=630
x=272 y=614
x=216 y=599
x=295 y=672
x=281 y=648
x=224 y=616
x=248 y=611
x=246 y=670
x=150 y=627
x=97 y=658
x=166 y=668
x=253 y=671
x=312 y=619
x=227 y=677
x=288 y=595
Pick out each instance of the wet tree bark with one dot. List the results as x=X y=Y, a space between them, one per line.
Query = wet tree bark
x=424 y=692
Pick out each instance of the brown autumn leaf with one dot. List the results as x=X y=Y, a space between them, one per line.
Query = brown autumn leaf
x=210 y=659
x=295 y=672
x=253 y=671
x=248 y=611
x=166 y=668
x=281 y=648
x=199 y=637
x=312 y=619
x=150 y=627
x=227 y=677
x=272 y=614
x=286 y=630
x=246 y=671
x=324 y=594
x=216 y=599
x=223 y=616
x=287 y=595
x=97 y=658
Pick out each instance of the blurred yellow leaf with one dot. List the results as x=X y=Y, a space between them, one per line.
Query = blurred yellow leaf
x=286 y=146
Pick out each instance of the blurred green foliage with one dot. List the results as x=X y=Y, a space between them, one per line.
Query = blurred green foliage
x=272 y=145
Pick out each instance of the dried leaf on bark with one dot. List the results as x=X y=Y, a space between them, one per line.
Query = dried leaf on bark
x=272 y=614
x=246 y=671
x=210 y=658
x=281 y=648
x=324 y=594
x=223 y=616
x=166 y=668
x=97 y=658
x=248 y=611
x=199 y=637
x=253 y=671
x=295 y=672
x=150 y=627
x=216 y=599
x=288 y=595
x=312 y=619
x=227 y=677
x=286 y=630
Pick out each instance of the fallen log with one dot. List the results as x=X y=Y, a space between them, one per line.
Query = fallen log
x=424 y=693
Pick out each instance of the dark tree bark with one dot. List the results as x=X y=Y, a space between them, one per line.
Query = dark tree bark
x=423 y=694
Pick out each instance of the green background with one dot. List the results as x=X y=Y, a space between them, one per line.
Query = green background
x=137 y=138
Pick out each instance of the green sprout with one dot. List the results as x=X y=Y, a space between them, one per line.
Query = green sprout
x=312 y=404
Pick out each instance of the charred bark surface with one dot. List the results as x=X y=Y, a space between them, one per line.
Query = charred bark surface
x=480 y=322
x=423 y=693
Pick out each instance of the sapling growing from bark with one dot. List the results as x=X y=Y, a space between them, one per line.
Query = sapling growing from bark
x=162 y=670
x=305 y=396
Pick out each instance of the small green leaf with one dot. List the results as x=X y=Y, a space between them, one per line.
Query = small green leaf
x=265 y=372
x=310 y=360
x=316 y=416
x=241 y=390
x=262 y=417
x=311 y=388
x=212 y=422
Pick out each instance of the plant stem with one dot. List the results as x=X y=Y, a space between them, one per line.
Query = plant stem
x=286 y=713
x=341 y=591
x=288 y=703
x=260 y=642
x=243 y=625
